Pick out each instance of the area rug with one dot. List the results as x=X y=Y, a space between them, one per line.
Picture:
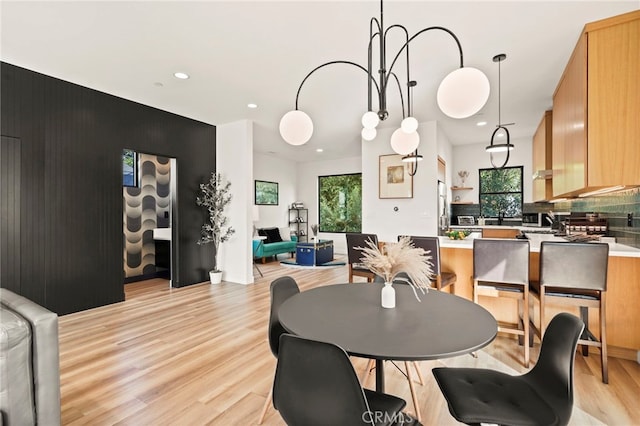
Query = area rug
x=292 y=264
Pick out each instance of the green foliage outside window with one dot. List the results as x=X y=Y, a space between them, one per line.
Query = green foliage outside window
x=501 y=192
x=340 y=201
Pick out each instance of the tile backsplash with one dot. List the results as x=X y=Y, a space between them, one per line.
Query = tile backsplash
x=615 y=207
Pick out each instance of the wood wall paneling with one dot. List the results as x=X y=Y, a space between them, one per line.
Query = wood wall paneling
x=10 y=213
x=71 y=207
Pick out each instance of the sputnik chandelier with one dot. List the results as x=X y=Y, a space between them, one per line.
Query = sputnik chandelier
x=462 y=93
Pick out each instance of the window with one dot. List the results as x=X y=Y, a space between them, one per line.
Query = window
x=129 y=168
x=340 y=201
x=501 y=192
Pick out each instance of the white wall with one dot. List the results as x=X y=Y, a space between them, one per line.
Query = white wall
x=307 y=191
x=234 y=159
x=273 y=169
x=474 y=157
x=414 y=216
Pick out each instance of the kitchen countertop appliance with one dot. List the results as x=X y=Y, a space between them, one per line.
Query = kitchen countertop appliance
x=466 y=220
x=537 y=220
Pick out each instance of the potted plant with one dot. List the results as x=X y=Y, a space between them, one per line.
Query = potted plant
x=214 y=196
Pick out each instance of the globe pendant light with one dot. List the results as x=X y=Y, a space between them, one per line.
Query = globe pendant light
x=461 y=94
x=501 y=130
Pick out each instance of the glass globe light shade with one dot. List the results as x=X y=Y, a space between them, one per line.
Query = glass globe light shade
x=409 y=125
x=296 y=127
x=404 y=143
x=369 y=134
x=463 y=92
x=370 y=120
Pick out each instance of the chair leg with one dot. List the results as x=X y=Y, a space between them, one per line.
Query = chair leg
x=267 y=403
x=365 y=374
x=418 y=372
x=603 y=339
x=525 y=320
x=584 y=316
x=414 y=397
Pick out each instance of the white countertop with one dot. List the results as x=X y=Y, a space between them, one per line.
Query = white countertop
x=615 y=249
x=503 y=226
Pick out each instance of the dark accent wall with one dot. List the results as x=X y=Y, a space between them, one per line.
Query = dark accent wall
x=61 y=243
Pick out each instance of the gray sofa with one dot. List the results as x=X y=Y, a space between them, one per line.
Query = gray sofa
x=29 y=363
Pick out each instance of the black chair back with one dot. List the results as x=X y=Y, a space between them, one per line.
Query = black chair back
x=281 y=289
x=358 y=240
x=574 y=265
x=432 y=246
x=501 y=261
x=552 y=375
x=316 y=384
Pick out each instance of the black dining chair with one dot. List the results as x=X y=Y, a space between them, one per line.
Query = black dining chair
x=501 y=269
x=281 y=289
x=441 y=279
x=316 y=384
x=575 y=274
x=354 y=255
x=542 y=396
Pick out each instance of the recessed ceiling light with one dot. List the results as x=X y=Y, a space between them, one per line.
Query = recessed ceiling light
x=319 y=150
x=158 y=84
x=181 y=75
x=252 y=106
x=481 y=123
x=500 y=135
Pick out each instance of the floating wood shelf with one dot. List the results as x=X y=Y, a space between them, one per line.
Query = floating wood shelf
x=462 y=202
x=454 y=188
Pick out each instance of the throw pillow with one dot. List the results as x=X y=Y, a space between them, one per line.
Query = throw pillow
x=273 y=235
x=285 y=233
x=263 y=233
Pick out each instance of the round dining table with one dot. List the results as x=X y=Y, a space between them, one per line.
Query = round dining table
x=439 y=325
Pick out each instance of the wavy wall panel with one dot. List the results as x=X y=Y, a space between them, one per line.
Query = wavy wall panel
x=144 y=209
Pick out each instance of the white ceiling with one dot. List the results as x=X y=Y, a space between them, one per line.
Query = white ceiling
x=240 y=52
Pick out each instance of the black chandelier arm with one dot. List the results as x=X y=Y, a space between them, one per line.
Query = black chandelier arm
x=372 y=35
x=423 y=31
x=331 y=63
x=406 y=37
x=401 y=97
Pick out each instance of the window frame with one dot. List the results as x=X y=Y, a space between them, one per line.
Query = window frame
x=135 y=168
x=320 y=207
x=520 y=192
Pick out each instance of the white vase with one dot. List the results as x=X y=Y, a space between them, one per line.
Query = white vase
x=215 y=277
x=388 y=296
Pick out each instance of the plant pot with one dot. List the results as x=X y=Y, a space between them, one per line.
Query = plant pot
x=215 y=277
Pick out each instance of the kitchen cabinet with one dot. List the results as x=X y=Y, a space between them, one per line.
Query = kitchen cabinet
x=542 y=188
x=596 y=108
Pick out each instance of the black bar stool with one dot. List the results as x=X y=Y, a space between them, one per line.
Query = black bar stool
x=575 y=274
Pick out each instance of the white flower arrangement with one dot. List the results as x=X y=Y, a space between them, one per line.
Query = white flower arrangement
x=399 y=257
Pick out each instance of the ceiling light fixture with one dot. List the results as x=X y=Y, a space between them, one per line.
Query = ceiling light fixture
x=461 y=94
x=481 y=123
x=500 y=147
x=252 y=106
x=181 y=75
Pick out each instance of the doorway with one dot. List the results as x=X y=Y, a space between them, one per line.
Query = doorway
x=149 y=217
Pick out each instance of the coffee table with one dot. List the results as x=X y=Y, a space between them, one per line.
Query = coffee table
x=314 y=253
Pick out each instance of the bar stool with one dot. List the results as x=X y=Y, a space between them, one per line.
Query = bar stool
x=575 y=274
x=501 y=269
x=355 y=256
x=442 y=279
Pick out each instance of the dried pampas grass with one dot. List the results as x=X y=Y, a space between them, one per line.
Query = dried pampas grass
x=399 y=257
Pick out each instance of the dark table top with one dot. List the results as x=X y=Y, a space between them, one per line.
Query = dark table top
x=350 y=315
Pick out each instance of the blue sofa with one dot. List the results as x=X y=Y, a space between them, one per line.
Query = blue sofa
x=263 y=250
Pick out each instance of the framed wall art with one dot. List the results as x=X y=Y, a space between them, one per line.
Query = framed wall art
x=266 y=193
x=394 y=178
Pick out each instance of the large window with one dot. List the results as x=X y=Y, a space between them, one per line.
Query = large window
x=340 y=201
x=501 y=192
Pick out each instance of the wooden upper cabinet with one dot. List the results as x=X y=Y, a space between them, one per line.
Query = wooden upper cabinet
x=542 y=159
x=596 y=106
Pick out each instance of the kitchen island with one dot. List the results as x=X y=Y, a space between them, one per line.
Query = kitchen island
x=623 y=290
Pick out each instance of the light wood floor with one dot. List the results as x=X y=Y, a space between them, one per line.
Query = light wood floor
x=199 y=355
